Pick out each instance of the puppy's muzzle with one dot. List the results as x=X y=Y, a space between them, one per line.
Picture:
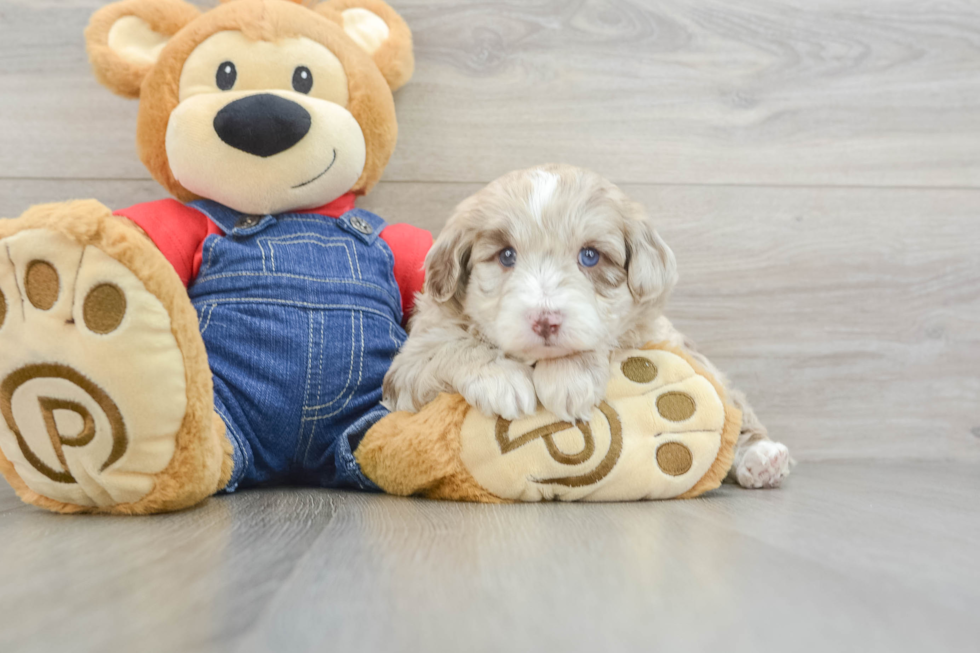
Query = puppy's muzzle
x=547 y=325
x=263 y=124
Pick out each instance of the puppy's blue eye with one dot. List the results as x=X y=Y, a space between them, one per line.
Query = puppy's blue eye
x=508 y=257
x=588 y=257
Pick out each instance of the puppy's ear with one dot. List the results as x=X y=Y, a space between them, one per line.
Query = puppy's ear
x=124 y=40
x=379 y=31
x=447 y=264
x=651 y=270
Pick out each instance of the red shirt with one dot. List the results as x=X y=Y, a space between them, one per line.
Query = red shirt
x=179 y=232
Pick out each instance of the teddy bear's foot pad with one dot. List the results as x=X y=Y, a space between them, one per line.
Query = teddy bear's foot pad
x=92 y=381
x=664 y=431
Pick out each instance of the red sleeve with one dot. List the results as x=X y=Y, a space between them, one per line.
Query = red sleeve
x=409 y=245
x=177 y=230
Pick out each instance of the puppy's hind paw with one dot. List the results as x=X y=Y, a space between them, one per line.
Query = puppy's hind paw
x=762 y=464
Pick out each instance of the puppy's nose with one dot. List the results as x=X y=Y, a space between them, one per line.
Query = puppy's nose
x=262 y=124
x=547 y=324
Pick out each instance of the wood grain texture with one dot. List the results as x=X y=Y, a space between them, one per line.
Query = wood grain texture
x=828 y=92
x=815 y=164
x=850 y=316
x=190 y=581
x=849 y=556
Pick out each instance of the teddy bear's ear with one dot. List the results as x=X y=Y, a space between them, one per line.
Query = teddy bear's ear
x=381 y=32
x=124 y=40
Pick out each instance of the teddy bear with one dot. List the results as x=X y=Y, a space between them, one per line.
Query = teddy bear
x=237 y=335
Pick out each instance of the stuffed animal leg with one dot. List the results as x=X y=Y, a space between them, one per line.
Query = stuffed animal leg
x=664 y=431
x=105 y=390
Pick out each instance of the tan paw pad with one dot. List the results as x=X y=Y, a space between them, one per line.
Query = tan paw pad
x=92 y=382
x=656 y=435
x=42 y=285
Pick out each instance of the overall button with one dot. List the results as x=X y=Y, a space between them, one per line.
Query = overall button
x=361 y=225
x=248 y=221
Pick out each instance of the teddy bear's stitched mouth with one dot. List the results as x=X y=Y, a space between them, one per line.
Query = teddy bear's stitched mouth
x=332 y=161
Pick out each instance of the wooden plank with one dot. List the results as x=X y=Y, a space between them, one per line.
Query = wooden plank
x=888 y=519
x=8 y=499
x=848 y=556
x=390 y=574
x=850 y=316
x=191 y=581
x=795 y=92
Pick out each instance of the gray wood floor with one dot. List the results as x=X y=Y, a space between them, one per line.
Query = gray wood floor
x=816 y=166
x=869 y=556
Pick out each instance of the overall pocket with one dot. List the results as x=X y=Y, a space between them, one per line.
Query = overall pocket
x=336 y=361
x=311 y=256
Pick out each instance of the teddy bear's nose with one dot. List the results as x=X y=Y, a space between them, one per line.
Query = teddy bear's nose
x=262 y=124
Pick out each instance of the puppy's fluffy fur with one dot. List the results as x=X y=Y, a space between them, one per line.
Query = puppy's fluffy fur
x=538 y=323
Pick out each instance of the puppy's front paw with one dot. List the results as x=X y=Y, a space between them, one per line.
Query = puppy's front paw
x=570 y=388
x=401 y=402
x=763 y=464
x=502 y=388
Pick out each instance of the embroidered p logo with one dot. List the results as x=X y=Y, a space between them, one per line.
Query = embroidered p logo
x=656 y=435
x=32 y=415
x=547 y=434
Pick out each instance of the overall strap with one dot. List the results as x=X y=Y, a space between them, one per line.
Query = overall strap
x=363 y=225
x=232 y=222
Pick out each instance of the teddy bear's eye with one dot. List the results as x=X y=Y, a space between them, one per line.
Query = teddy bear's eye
x=302 y=79
x=226 y=76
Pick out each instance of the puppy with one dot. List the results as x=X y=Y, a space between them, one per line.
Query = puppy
x=533 y=282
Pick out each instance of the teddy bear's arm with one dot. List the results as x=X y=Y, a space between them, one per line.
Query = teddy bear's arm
x=176 y=229
x=409 y=246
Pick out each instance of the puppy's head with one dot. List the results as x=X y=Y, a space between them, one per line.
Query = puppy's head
x=551 y=261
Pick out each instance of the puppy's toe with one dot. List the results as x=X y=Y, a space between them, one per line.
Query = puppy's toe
x=510 y=403
x=403 y=402
x=501 y=390
x=527 y=399
x=764 y=464
x=570 y=401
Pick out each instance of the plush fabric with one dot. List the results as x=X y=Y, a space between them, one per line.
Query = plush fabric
x=664 y=431
x=137 y=428
x=179 y=231
x=99 y=458
x=157 y=87
x=200 y=461
x=419 y=454
x=122 y=76
x=394 y=56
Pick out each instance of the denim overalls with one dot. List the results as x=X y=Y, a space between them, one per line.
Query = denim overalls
x=301 y=316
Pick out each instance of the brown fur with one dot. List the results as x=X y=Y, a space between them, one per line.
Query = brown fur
x=420 y=453
x=202 y=462
x=394 y=58
x=118 y=75
x=729 y=435
x=371 y=102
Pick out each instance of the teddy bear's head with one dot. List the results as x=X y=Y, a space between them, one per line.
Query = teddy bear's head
x=262 y=105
